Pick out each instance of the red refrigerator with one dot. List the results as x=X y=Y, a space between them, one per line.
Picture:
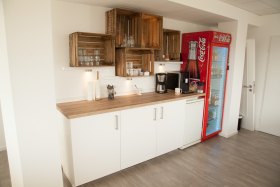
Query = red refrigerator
x=205 y=57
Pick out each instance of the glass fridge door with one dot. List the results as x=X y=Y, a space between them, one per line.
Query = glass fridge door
x=217 y=86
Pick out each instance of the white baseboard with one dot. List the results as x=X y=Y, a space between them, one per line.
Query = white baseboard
x=228 y=135
x=3 y=148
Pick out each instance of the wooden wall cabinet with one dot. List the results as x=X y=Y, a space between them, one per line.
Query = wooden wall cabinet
x=171 y=45
x=90 y=41
x=141 y=57
x=146 y=28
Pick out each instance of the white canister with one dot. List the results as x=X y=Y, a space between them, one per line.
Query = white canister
x=178 y=91
x=129 y=65
x=139 y=91
x=139 y=71
x=135 y=72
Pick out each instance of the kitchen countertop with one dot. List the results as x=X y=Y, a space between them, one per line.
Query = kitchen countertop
x=78 y=109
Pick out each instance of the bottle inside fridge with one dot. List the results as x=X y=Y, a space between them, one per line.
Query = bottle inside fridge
x=216 y=98
x=192 y=65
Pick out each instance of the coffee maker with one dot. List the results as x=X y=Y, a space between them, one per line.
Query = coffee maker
x=176 y=79
x=161 y=83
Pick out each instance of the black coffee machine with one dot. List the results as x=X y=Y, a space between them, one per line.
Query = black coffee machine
x=161 y=82
x=176 y=79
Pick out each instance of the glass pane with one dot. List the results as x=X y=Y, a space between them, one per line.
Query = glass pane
x=216 y=100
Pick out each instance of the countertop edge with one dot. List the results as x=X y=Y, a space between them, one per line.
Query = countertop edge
x=127 y=107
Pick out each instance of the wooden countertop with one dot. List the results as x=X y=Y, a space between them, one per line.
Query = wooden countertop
x=87 y=108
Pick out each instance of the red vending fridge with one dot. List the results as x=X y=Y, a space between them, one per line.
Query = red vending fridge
x=205 y=57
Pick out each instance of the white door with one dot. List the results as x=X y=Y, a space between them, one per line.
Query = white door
x=193 y=123
x=247 y=105
x=270 y=116
x=170 y=126
x=138 y=135
x=96 y=146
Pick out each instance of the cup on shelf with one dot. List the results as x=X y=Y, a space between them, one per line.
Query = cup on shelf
x=80 y=52
x=84 y=52
x=139 y=71
x=135 y=72
x=132 y=43
x=96 y=52
x=85 y=58
x=129 y=65
x=91 y=60
x=97 y=60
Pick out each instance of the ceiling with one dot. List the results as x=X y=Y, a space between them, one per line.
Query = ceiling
x=259 y=7
x=164 y=8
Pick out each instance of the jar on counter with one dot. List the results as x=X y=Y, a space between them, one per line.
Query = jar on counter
x=200 y=87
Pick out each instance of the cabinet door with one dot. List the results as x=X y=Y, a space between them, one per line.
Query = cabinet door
x=96 y=146
x=193 y=125
x=138 y=135
x=170 y=127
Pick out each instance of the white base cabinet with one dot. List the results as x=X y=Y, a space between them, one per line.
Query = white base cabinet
x=98 y=145
x=170 y=126
x=138 y=135
x=91 y=146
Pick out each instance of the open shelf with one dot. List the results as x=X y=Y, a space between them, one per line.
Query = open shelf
x=91 y=41
x=171 y=45
x=146 y=28
x=142 y=58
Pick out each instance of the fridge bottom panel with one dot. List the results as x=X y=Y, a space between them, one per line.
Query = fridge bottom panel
x=212 y=126
x=210 y=136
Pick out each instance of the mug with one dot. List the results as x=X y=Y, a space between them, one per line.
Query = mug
x=139 y=91
x=178 y=91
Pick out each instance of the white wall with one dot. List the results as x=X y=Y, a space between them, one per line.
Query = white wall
x=71 y=17
x=270 y=26
x=29 y=46
x=238 y=30
x=7 y=108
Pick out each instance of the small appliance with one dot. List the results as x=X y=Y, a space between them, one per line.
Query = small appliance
x=161 y=82
x=176 y=79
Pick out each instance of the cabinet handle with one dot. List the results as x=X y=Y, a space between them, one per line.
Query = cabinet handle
x=155 y=114
x=161 y=112
x=117 y=121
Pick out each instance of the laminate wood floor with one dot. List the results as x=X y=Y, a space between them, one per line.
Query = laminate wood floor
x=246 y=159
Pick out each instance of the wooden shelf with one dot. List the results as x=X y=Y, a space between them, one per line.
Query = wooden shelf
x=141 y=57
x=91 y=41
x=146 y=28
x=142 y=76
x=171 y=43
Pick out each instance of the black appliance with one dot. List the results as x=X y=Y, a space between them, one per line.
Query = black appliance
x=176 y=79
x=161 y=83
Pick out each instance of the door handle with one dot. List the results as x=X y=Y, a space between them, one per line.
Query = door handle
x=161 y=113
x=117 y=122
x=250 y=86
x=155 y=114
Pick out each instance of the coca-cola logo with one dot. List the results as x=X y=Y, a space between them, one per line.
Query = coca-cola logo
x=202 y=47
x=224 y=38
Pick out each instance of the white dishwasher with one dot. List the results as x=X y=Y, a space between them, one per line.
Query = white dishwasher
x=193 y=122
